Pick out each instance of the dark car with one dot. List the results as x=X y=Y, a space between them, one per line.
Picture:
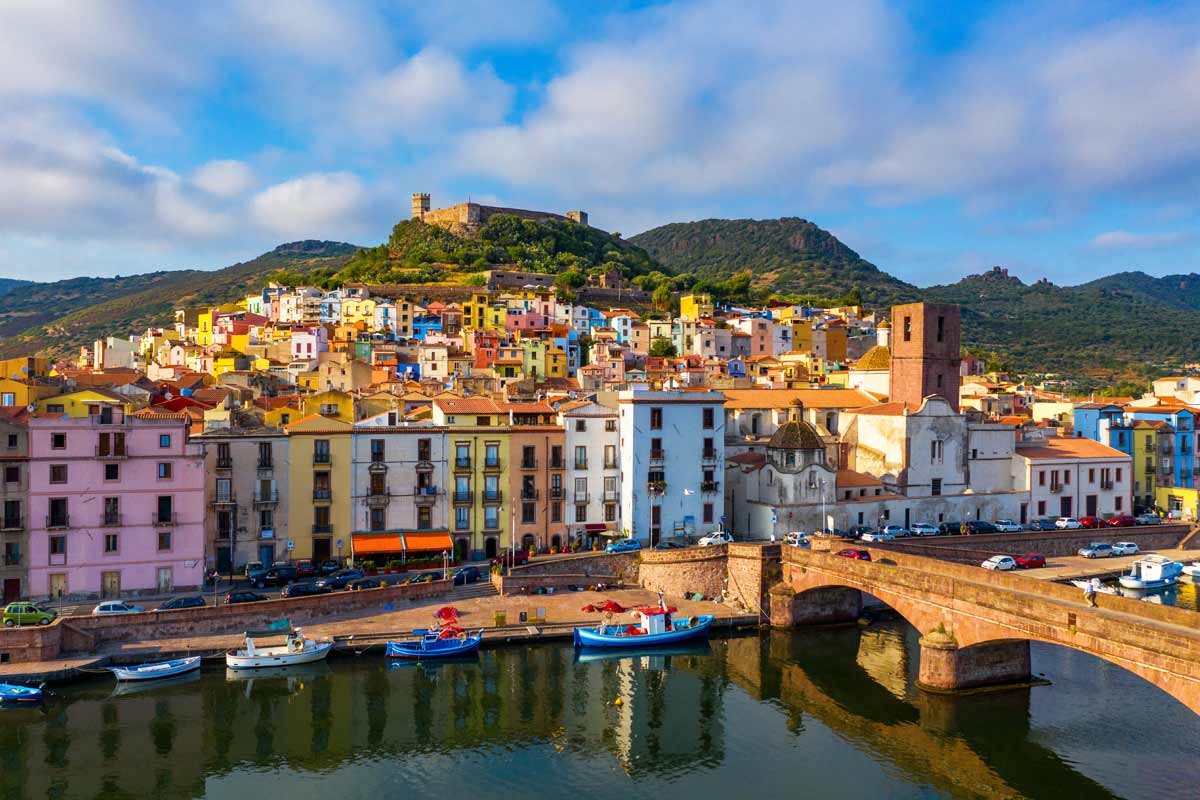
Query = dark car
x=305 y=568
x=424 y=577
x=856 y=554
x=858 y=530
x=244 y=597
x=276 y=576
x=981 y=526
x=365 y=583
x=329 y=566
x=1030 y=560
x=1044 y=525
x=342 y=578
x=670 y=544
x=467 y=575
x=950 y=528
x=1122 y=521
x=304 y=590
x=182 y=602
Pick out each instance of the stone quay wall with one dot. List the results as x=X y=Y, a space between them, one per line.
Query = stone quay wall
x=977 y=548
x=526 y=584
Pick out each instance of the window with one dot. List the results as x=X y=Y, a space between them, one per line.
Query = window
x=164 y=540
x=1041 y=477
x=1118 y=474
x=266 y=520
x=58 y=545
x=58 y=513
x=936 y=449
x=610 y=456
x=224 y=456
x=556 y=512
x=112 y=511
x=164 y=440
x=265 y=456
x=55 y=408
x=708 y=512
x=12 y=514
x=974 y=454
x=941 y=328
x=378 y=520
x=580 y=457
x=462 y=454
x=610 y=425
x=491 y=517
x=377 y=451
x=1118 y=502
x=580 y=425
x=1091 y=475
x=462 y=518
x=321 y=451
x=709 y=416
x=1041 y=507
x=528 y=514
x=656 y=419
x=581 y=513
x=12 y=440
x=936 y=486
x=424 y=449
x=908 y=329
x=12 y=474
x=165 y=508
x=610 y=512
x=58 y=441
x=491 y=489
x=58 y=473
x=1066 y=478
x=112 y=472
x=491 y=455
x=165 y=470
x=528 y=457
x=8 y=399
x=110 y=542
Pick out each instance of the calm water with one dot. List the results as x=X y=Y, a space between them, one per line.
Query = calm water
x=812 y=714
x=1185 y=594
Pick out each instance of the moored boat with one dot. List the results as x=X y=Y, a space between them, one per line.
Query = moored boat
x=11 y=694
x=656 y=626
x=1192 y=570
x=157 y=671
x=1102 y=589
x=295 y=650
x=1152 y=571
x=448 y=642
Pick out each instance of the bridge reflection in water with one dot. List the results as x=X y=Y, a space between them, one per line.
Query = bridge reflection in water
x=833 y=711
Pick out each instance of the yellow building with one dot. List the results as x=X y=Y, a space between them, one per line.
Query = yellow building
x=1149 y=439
x=475 y=311
x=359 y=312
x=83 y=403
x=320 y=495
x=695 y=306
x=24 y=367
x=331 y=403
x=556 y=362
x=1178 y=503
x=477 y=443
x=802 y=335
x=21 y=394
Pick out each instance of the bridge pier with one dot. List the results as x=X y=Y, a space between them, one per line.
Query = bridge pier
x=825 y=606
x=946 y=667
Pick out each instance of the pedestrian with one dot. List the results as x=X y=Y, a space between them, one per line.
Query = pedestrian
x=772 y=537
x=1089 y=591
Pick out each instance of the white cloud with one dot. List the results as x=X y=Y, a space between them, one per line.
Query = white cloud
x=314 y=206
x=224 y=178
x=1126 y=240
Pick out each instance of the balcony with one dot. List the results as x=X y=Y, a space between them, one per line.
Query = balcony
x=323 y=495
x=709 y=456
x=464 y=497
x=611 y=495
x=710 y=487
x=494 y=496
x=1056 y=488
x=529 y=494
x=462 y=463
x=377 y=467
x=491 y=464
x=581 y=463
x=656 y=488
x=322 y=528
x=556 y=493
x=58 y=522
x=580 y=498
x=12 y=560
x=658 y=456
x=1106 y=485
x=529 y=463
x=224 y=500
x=224 y=534
x=164 y=520
x=224 y=463
x=268 y=498
x=611 y=464
x=322 y=460
x=425 y=495
x=491 y=525
x=557 y=463
x=110 y=521
x=266 y=466
x=111 y=453
x=379 y=499
x=13 y=524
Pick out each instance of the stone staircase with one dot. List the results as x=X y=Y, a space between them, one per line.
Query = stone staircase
x=470 y=591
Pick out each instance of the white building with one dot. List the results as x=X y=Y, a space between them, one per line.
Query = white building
x=593 y=490
x=1069 y=476
x=672 y=451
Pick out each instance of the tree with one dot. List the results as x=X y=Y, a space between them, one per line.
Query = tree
x=852 y=298
x=571 y=279
x=662 y=347
x=662 y=297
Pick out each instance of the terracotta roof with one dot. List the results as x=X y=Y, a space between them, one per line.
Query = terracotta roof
x=848 y=478
x=782 y=398
x=468 y=405
x=1150 y=423
x=1060 y=447
x=895 y=408
x=750 y=458
x=525 y=408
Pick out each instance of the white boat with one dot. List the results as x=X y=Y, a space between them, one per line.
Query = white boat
x=1152 y=571
x=1102 y=589
x=295 y=650
x=1192 y=570
x=153 y=672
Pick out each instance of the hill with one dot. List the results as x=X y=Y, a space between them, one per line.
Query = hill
x=56 y=318
x=1177 y=291
x=787 y=255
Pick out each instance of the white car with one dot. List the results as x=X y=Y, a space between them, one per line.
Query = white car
x=1007 y=526
x=924 y=529
x=1002 y=563
x=897 y=531
x=878 y=536
x=796 y=539
x=716 y=537
x=1067 y=524
x=116 y=607
x=1125 y=549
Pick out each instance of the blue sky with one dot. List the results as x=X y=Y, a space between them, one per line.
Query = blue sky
x=1058 y=140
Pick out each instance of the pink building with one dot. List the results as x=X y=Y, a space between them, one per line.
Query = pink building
x=308 y=343
x=524 y=321
x=116 y=504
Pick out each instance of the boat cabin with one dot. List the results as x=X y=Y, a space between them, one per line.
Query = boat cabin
x=1153 y=567
x=655 y=620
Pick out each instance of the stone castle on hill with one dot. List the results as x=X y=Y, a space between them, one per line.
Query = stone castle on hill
x=469 y=217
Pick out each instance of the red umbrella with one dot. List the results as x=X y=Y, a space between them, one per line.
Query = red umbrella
x=446 y=614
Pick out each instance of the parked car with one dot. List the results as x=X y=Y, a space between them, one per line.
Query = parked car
x=1067 y=524
x=924 y=529
x=1000 y=563
x=950 y=528
x=424 y=577
x=878 y=536
x=1030 y=560
x=716 y=537
x=1122 y=521
x=195 y=601
x=623 y=546
x=1007 y=526
x=115 y=607
x=981 y=526
x=467 y=575
x=342 y=578
x=252 y=566
x=26 y=613
x=244 y=596
x=365 y=583
x=897 y=531
x=305 y=568
x=1097 y=550
x=1091 y=522
x=275 y=576
x=1125 y=549
x=854 y=553
x=797 y=539
x=329 y=566
x=1149 y=519
x=512 y=558
x=670 y=544
x=1044 y=524
x=303 y=590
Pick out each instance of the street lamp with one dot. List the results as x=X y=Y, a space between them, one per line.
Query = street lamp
x=445 y=564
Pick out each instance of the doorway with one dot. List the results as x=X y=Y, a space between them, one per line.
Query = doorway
x=1064 y=506
x=224 y=559
x=460 y=550
x=1091 y=502
x=321 y=550
x=110 y=584
x=266 y=554
x=58 y=585
x=166 y=580
x=12 y=590
x=489 y=547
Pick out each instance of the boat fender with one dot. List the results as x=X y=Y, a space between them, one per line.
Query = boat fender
x=618 y=702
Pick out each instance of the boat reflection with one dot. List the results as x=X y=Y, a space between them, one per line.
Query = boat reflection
x=650 y=657
x=128 y=688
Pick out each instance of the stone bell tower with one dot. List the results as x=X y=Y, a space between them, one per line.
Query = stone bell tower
x=925 y=342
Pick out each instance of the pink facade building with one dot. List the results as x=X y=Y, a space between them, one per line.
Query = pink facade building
x=116 y=504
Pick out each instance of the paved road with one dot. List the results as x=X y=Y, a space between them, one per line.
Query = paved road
x=1074 y=567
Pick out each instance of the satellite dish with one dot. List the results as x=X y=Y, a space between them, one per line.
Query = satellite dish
x=32 y=407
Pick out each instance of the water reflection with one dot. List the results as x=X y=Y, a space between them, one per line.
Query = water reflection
x=832 y=711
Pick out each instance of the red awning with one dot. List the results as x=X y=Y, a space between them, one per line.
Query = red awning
x=595 y=527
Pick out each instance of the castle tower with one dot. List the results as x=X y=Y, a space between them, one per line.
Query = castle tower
x=420 y=205
x=580 y=218
x=925 y=343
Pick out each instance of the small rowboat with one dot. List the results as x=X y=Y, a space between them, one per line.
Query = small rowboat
x=450 y=642
x=657 y=626
x=19 y=695
x=157 y=671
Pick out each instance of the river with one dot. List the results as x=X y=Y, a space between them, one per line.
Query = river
x=824 y=713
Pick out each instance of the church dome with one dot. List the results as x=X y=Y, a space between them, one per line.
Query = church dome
x=793 y=435
x=878 y=357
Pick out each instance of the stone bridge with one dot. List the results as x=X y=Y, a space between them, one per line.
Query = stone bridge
x=976 y=625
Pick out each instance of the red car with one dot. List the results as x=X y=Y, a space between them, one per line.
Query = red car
x=1092 y=522
x=509 y=558
x=1030 y=560
x=305 y=568
x=1122 y=521
x=858 y=555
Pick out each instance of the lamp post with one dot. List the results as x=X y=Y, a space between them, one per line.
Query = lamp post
x=445 y=564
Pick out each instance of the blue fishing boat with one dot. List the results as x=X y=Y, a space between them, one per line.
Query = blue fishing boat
x=19 y=695
x=656 y=626
x=158 y=670
x=449 y=642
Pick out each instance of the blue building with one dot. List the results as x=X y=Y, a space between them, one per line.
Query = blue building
x=426 y=324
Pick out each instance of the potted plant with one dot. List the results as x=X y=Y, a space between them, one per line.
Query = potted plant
x=368 y=567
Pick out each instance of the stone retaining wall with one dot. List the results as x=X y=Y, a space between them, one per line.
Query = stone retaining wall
x=676 y=573
x=525 y=584
x=623 y=565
